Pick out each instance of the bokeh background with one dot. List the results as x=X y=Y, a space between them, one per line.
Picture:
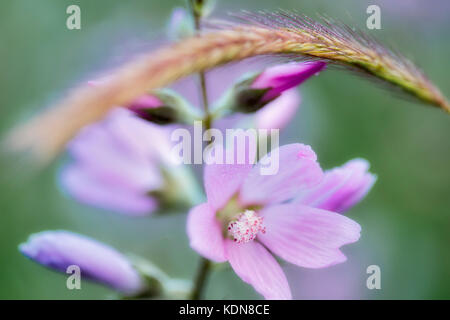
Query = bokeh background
x=405 y=219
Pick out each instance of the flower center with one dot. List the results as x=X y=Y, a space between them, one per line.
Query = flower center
x=246 y=227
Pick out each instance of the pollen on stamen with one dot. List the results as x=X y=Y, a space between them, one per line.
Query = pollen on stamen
x=246 y=227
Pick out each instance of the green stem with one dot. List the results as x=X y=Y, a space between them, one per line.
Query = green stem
x=207 y=119
x=204 y=91
x=200 y=279
x=205 y=265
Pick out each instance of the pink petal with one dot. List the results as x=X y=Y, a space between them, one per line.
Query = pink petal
x=306 y=236
x=143 y=139
x=205 y=233
x=104 y=193
x=222 y=181
x=257 y=267
x=341 y=187
x=278 y=113
x=298 y=169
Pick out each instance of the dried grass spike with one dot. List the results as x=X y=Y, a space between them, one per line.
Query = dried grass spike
x=280 y=34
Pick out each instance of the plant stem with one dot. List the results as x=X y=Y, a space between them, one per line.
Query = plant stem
x=200 y=279
x=207 y=118
x=205 y=265
x=204 y=92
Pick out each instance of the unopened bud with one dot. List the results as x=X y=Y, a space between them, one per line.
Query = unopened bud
x=97 y=261
x=163 y=107
x=256 y=90
x=202 y=8
x=280 y=78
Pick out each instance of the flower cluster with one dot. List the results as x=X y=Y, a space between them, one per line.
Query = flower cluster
x=124 y=163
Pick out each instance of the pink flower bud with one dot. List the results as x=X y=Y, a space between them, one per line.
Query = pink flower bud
x=148 y=107
x=97 y=261
x=283 y=77
x=143 y=104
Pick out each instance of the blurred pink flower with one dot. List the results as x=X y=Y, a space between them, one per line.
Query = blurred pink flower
x=247 y=214
x=277 y=113
x=341 y=188
x=97 y=261
x=117 y=163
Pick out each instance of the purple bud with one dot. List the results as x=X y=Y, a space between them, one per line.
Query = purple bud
x=97 y=261
x=283 y=77
x=145 y=107
x=162 y=108
x=149 y=107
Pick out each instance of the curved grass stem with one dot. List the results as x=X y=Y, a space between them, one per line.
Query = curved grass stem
x=273 y=34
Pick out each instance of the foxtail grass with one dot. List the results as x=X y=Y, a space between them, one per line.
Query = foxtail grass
x=281 y=33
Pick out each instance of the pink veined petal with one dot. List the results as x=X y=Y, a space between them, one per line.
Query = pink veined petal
x=298 y=169
x=222 y=181
x=88 y=189
x=257 y=267
x=278 y=113
x=355 y=189
x=341 y=188
x=205 y=233
x=332 y=180
x=306 y=236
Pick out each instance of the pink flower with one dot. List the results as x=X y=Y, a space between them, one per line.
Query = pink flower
x=283 y=77
x=277 y=113
x=117 y=163
x=341 y=188
x=248 y=217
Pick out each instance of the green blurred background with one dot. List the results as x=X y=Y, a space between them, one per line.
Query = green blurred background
x=405 y=219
